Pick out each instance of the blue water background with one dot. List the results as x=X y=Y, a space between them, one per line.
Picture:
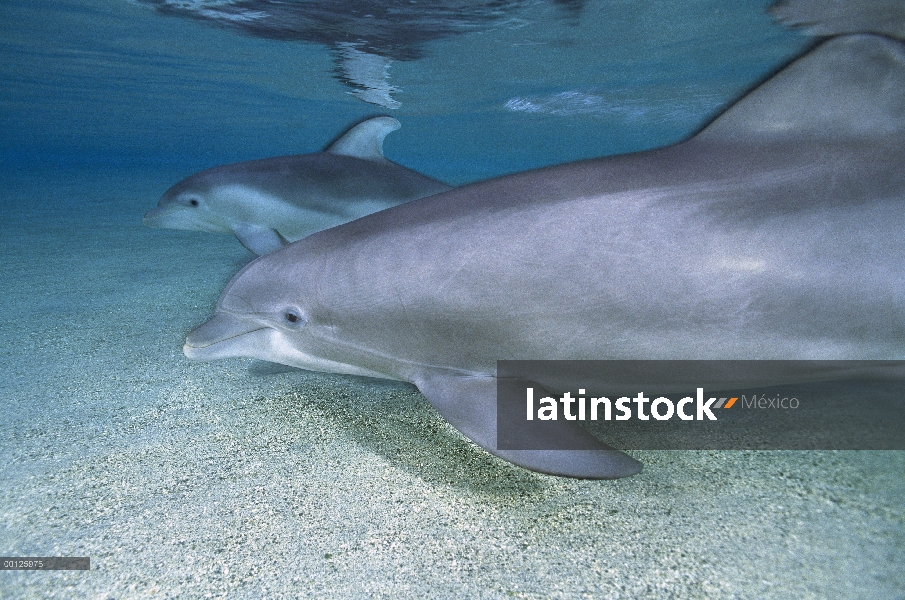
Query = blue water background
x=108 y=84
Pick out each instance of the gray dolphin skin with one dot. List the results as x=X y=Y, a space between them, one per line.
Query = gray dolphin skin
x=270 y=202
x=775 y=233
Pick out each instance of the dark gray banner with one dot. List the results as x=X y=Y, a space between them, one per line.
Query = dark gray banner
x=703 y=405
x=45 y=563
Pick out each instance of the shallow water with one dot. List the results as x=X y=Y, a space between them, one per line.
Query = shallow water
x=184 y=479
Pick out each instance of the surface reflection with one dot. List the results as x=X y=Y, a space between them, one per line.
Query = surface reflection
x=366 y=36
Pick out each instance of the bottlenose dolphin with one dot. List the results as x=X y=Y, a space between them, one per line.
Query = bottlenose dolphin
x=270 y=202
x=775 y=233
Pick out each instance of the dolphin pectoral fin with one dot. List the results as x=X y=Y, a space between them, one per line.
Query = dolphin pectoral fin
x=258 y=239
x=470 y=405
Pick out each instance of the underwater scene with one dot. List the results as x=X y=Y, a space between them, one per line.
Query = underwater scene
x=422 y=173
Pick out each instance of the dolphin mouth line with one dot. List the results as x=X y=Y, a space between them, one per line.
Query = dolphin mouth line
x=196 y=344
x=221 y=340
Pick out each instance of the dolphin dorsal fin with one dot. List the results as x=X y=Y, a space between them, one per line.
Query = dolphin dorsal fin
x=365 y=140
x=849 y=87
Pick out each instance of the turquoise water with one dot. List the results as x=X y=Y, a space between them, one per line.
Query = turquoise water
x=97 y=84
x=243 y=480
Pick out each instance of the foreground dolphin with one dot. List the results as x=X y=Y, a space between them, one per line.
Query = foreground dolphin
x=777 y=232
x=268 y=203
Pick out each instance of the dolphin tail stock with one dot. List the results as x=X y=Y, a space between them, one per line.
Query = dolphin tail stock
x=365 y=140
x=832 y=17
x=470 y=404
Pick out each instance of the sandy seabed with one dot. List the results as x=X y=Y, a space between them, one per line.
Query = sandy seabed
x=242 y=479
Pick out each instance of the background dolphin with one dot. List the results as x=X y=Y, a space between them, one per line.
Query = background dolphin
x=267 y=203
x=774 y=233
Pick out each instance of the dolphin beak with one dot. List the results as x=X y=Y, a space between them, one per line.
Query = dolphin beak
x=225 y=336
x=152 y=217
x=169 y=216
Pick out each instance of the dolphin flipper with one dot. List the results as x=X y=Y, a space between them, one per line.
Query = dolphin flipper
x=470 y=405
x=258 y=239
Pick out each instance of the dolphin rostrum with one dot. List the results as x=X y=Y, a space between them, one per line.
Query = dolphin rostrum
x=270 y=202
x=775 y=233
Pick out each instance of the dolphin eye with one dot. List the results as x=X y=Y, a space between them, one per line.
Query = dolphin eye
x=193 y=202
x=292 y=317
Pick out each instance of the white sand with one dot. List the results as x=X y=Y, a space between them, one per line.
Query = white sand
x=184 y=479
